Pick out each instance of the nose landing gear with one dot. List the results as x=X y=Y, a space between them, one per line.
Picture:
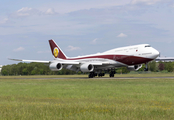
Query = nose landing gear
x=146 y=69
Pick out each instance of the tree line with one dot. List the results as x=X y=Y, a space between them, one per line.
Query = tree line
x=32 y=69
x=161 y=66
x=42 y=69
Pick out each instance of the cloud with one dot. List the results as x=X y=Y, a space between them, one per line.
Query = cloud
x=71 y=6
x=18 y=49
x=3 y=20
x=50 y=11
x=122 y=35
x=94 y=41
x=25 y=11
x=148 y=2
x=72 y=48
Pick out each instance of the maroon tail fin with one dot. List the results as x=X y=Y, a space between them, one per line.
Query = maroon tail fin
x=56 y=51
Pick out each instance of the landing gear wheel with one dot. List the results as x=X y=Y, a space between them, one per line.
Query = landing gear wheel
x=99 y=75
x=112 y=74
x=146 y=69
x=92 y=74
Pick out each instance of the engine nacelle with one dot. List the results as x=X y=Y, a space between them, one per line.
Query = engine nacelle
x=55 y=66
x=86 y=67
x=134 y=67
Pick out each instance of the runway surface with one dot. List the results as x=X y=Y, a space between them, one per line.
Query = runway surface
x=94 y=78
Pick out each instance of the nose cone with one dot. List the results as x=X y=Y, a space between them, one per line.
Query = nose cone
x=155 y=53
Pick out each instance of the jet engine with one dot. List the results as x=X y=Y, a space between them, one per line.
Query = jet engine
x=56 y=66
x=134 y=67
x=86 y=67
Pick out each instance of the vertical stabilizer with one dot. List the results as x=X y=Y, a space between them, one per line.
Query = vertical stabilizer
x=56 y=51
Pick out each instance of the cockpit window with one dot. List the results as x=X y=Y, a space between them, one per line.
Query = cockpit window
x=147 y=46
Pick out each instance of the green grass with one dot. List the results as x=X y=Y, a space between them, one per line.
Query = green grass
x=133 y=99
x=148 y=74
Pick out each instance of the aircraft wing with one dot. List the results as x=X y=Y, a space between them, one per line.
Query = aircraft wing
x=164 y=59
x=38 y=61
x=68 y=63
x=77 y=63
x=65 y=62
x=99 y=63
x=41 y=61
x=62 y=62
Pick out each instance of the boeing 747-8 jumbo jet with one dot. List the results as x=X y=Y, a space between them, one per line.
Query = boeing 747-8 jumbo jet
x=131 y=57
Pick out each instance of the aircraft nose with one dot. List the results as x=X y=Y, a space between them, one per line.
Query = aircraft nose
x=155 y=53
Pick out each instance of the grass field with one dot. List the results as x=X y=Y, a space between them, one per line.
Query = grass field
x=155 y=74
x=53 y=99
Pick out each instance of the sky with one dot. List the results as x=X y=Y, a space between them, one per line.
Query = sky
x=83 y=27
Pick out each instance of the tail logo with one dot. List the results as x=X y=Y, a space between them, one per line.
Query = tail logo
x=56 y=52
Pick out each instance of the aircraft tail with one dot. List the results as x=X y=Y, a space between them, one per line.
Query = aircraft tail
x=56 y=51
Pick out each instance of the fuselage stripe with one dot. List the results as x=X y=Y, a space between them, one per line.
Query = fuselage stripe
x=129 y=60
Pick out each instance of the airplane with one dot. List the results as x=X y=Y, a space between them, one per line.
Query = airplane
x=164 y=59
x=131 y=57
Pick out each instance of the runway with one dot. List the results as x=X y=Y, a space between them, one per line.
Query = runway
x=46 y=78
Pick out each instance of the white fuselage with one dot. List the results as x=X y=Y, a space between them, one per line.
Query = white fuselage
x=124 y=56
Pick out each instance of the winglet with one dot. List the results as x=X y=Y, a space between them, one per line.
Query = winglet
x=56 y=51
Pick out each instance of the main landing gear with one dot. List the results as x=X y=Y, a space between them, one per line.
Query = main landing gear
x=93 y=74
x=101 y=74
x=112 y=73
